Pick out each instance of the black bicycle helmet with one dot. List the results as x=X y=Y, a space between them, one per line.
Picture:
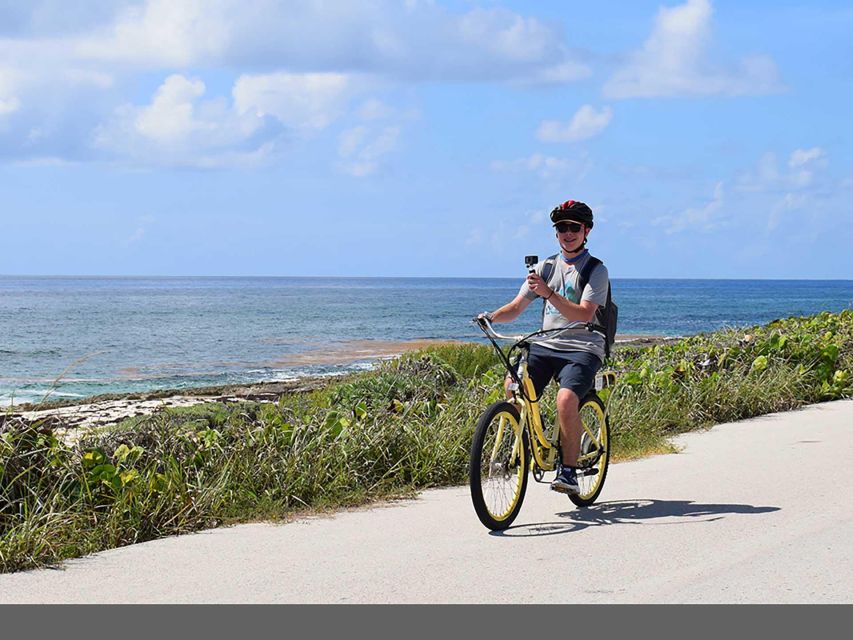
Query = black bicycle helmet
x=572 y=210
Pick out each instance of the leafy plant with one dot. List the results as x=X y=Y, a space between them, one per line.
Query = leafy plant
x=386 y=433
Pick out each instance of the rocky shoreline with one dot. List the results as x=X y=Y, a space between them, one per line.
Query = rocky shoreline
x=111 y=408
x=108 y=409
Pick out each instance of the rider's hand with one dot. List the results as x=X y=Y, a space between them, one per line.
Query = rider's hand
x=486 y=315
x=537 y=285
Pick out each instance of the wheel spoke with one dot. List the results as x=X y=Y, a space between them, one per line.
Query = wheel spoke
x=502 y=465
x=595 y=453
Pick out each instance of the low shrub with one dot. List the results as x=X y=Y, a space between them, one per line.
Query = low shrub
x=390 y=432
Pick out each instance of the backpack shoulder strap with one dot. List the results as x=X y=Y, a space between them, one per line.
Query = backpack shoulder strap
x=547 y=270
x=586 y=272
x=548 y=267
x=599 y=320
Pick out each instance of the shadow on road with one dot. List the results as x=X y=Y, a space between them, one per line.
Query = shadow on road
x=655 y=512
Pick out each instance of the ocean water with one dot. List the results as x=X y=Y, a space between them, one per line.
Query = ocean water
x=82 y=336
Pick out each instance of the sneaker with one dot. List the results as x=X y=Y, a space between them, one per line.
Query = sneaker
x=566 y=481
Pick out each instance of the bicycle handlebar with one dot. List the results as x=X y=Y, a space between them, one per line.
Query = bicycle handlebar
x=486 y=326
x=489 y=330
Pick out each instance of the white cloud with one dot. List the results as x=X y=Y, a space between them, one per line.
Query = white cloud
x=45 y=18
x=374 y=109
x=804 y=164
x=47 y=105
x=676 y=61
x=362 y=148
x=505 y=34
x=183 y=126
x=161 y=32
x=509 y=235
x=535 y=220
x=768 y=169
x=498 y=236
x=350 y=140
x=9 y=104
x=802 y=157
x=9 y=101
x=545 y=166
x=790 y=202
x=558 y=74
x=803 y=169
x=303 y=101
x=586 y=123
x=47 y=65
x=490 y=45
x=537 y=217
x=300 y=63
x=475 y=237
x=410 y=42
x=705 y=218
x=793 y=187
x=80 y=77
x=179 y=127
x=139 y=233
x=171 y=116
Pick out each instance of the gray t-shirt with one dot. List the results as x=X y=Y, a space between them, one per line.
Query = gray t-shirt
x=564 y=280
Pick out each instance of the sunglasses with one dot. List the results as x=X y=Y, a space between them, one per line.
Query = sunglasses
x=562 y=227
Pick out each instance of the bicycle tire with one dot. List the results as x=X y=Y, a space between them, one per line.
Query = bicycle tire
x=497 y=474
x=592 y=472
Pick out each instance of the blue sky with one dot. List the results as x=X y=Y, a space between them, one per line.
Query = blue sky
x=416 y=138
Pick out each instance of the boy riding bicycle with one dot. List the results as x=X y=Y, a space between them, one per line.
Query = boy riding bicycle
x=573 y=356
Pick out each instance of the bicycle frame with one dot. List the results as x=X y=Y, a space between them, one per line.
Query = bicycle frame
x=544 y=446
x=510 y=440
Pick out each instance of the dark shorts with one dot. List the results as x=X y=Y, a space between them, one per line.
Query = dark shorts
x=574 y=370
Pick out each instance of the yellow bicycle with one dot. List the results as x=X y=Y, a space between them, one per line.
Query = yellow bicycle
x=510 y=439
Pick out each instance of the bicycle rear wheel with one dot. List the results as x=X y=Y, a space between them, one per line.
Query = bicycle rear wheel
x=595 y=451
x=497 y=471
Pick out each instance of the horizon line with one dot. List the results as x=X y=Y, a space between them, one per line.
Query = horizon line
x=360 y=277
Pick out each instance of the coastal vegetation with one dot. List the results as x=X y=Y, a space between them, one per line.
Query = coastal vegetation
x=387 y=433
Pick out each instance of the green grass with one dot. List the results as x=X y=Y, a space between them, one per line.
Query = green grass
x=383 y=434
x=730 y=375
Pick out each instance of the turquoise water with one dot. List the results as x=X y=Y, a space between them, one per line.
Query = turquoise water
x=105 y=335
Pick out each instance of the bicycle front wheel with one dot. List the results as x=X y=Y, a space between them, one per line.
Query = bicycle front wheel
x=595 y=450
x=497 y=471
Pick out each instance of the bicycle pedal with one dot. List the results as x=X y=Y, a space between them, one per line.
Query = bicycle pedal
x=590 y=472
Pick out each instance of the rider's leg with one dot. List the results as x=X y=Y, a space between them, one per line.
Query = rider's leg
x=539 y=369
x=576 y=378
x=507 y=382
x=570 y=426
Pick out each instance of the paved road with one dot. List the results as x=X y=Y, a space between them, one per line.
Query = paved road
x=756 y=511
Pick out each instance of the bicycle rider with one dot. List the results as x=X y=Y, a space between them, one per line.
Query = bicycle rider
x=572 y=357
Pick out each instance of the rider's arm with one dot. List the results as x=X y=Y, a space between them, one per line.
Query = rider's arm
x=511 y=310
x=583 y=312
x=593 y=295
